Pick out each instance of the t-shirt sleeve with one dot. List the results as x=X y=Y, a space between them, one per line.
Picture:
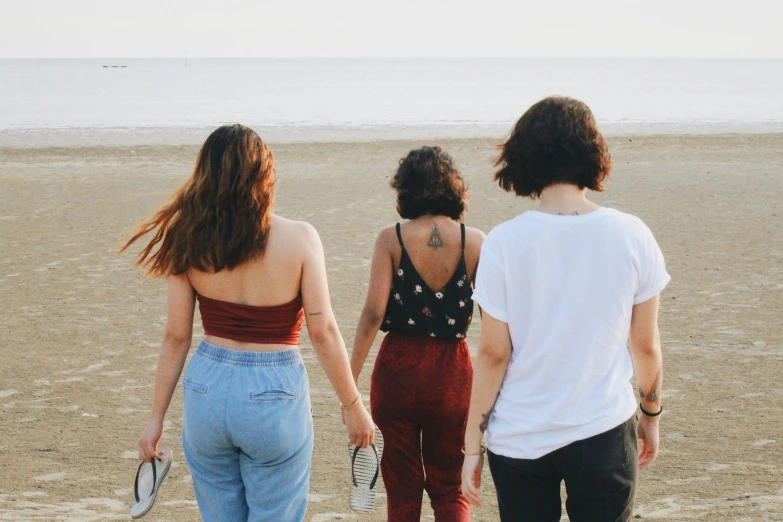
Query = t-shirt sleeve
x=653 y=276
x=490 y=291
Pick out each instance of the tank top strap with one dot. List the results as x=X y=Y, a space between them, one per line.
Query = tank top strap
x=399 y=236
x=462 y=230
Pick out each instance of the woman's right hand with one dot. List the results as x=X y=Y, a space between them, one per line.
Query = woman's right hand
x=361 y=428
x=148 y=441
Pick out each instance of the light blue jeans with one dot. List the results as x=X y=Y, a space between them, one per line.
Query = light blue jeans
x=248 y=434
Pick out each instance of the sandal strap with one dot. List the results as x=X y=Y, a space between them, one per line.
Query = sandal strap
x=154 y=475
x=154 y=479
x=136 y=483
x=377 y=468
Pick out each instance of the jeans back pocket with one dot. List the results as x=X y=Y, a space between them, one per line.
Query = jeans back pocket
x=272 y=395
x=194 y=386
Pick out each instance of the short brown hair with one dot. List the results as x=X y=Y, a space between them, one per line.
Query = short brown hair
x=555 y=141
x=428 y=182
x=221 y=216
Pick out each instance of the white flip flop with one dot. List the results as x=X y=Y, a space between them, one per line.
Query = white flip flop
x=149 y=477
x=365 y=468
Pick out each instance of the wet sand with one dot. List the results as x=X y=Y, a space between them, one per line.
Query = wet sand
x=82 y=327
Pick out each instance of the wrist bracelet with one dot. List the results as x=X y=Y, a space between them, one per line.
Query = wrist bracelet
x=343 y=407
x=479 y=453
x=648 y=413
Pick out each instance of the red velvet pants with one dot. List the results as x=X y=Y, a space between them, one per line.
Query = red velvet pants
x=420 y=395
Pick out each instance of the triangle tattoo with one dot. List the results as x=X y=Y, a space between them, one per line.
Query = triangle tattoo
x=436 y=241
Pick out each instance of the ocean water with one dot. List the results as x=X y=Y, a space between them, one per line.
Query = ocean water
x=473 y=96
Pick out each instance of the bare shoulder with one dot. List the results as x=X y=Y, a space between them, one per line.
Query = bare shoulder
x=297 y=235
x=302 y=229
x=474 y=234
x=387 y=238
x=474 y=238
x=180 y=281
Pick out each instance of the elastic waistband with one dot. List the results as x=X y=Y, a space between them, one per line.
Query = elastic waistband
x=242 y=358
x=429 y=341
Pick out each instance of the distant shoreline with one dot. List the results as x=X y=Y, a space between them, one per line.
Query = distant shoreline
x=195 y=135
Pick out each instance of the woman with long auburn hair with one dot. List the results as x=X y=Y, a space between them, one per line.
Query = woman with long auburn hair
x=247 y=428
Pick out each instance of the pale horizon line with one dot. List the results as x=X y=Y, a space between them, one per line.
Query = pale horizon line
x=769 y=58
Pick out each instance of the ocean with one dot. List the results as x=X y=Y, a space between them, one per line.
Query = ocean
x=306 y=98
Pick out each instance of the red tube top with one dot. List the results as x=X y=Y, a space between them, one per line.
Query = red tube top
x=280 y=324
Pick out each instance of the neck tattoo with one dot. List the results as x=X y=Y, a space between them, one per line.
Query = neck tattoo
x=574 y=214
x=435 y=240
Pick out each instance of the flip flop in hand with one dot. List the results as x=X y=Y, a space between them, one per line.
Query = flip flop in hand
x=149 y=477
x=365 y=468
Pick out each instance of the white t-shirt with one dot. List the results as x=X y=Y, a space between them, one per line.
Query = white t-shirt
x=566 y=286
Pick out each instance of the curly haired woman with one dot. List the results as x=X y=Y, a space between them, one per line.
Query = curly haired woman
x=420 y=293
x=247 y=429
x=562 y=289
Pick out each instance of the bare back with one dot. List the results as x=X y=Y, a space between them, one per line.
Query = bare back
x=273 y=278
x=434 y=245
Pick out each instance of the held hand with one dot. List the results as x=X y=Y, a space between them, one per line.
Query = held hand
x=361 y=429
x=471 y=478
x=648 y=434
x=148 y=441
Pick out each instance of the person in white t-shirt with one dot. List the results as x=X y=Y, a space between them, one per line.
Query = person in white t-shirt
x=562 y=289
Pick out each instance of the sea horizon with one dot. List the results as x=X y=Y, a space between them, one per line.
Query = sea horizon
x=69 y=101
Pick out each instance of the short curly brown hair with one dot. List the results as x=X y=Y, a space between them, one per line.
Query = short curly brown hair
x=428 y=182
x=555 y=141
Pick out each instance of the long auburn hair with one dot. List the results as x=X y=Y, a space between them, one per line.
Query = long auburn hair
x=221 y=216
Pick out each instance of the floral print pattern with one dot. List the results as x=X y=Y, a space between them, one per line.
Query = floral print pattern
x=417 y=310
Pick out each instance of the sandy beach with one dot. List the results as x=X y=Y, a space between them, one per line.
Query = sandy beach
x=82 y=327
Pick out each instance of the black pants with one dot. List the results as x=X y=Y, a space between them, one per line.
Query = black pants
x=599 y=474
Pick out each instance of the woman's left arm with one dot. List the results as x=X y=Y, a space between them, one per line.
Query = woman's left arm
x=489 y=370
x=173 y=352
x=375 y=304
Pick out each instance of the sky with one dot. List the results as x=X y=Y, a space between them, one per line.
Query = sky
x=397 y=28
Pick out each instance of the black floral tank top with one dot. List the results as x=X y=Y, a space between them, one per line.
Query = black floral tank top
x=417 y=310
